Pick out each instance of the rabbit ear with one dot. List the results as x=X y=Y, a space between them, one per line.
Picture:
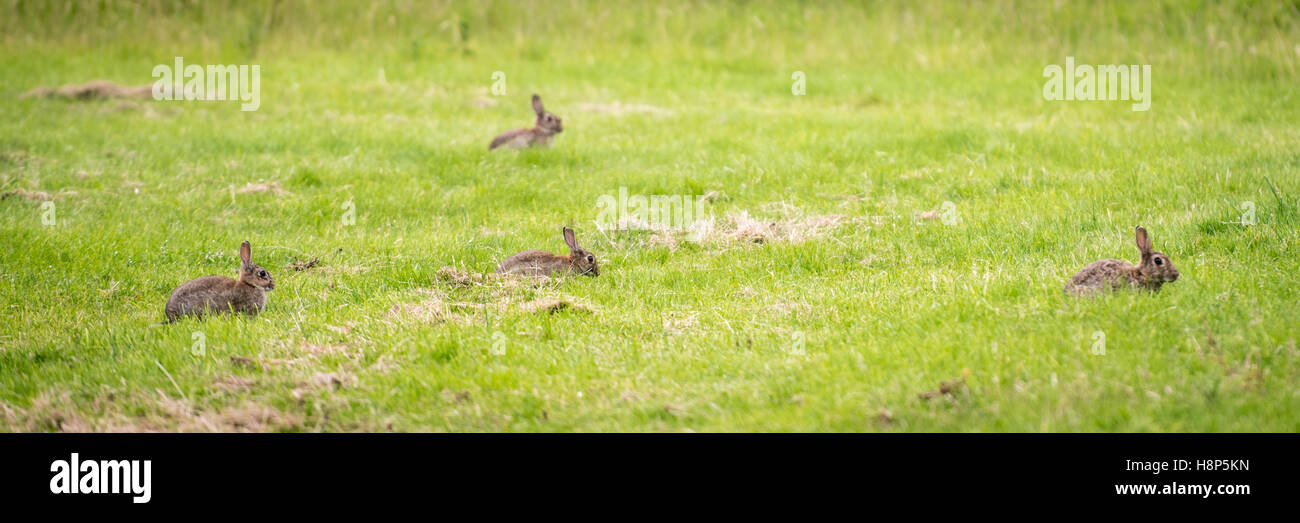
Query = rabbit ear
x=246 y=253
x=571 y=240
x=537 y=105
x=1143 y=241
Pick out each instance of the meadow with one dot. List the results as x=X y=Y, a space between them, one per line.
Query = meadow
x=885 y=252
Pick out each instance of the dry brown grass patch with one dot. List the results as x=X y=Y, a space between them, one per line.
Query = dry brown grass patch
x=55 y=412
x=324 y=381
x=26 y=194
x=455 y=276
x=741 y=227
x=622 y=109
x=263 y=364
x=246 y=417
x=50 y=412
x=340 y=269
x=676 y=323
x=791 y=229
x=268 y=187
x=233 y=383
x=92 y=90
x=436 y=309
x=432 y=310
x=323 y=348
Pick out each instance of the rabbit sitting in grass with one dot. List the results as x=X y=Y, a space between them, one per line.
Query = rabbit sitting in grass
x=542 y=263
x=220 y=295
x=547 y=126
x=1150 y=273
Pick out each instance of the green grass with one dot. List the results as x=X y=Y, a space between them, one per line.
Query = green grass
x=906 y=108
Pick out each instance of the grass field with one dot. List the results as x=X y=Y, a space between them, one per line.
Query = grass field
x=865 y=293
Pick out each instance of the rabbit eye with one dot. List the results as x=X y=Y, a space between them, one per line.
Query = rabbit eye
x=591 y=258
x=262 y=274
x=1159 y=261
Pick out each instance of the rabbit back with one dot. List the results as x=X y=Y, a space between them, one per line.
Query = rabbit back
x=534 y=263
x=519 y=139
x=1100 y=275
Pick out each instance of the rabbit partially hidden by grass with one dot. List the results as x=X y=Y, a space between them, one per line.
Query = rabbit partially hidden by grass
x=542 y=263
x=1150 y=273
x=220 y=295
x=547 y=126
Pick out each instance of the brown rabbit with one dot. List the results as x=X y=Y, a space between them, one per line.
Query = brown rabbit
x=219 y=294
x=542 y=263
x=540 y=134
x=1154 y=270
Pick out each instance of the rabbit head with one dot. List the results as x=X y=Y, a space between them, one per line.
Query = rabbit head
x=546 y=121
x=1155 y=266
x=251 y=273
x=582 y=261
